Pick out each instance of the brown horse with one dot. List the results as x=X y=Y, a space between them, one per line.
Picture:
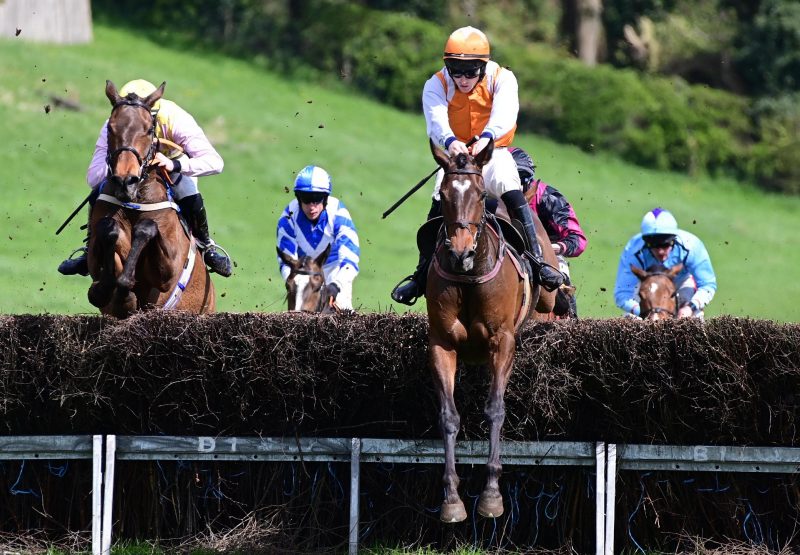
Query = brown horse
x=140 y=256
x=477 y=299
x=658 y=296
x=305 y=285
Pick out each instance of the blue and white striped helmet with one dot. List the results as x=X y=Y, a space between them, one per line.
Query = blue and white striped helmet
x=313 y=179
x=659 y=222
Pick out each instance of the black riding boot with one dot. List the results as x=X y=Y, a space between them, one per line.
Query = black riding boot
x=214 y=256
x=80 y=265
x=412 y=287
x=547 y=276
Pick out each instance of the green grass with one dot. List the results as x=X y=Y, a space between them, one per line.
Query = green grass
x=267 y=127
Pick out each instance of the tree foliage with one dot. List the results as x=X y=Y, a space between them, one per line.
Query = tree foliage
x=768 y=46
x=654 y=121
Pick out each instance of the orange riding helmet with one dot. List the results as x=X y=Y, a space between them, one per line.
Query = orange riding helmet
x=467 y=43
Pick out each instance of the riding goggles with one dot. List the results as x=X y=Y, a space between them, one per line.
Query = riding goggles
x=659 y=244
x=311 y=198
x=468 y=73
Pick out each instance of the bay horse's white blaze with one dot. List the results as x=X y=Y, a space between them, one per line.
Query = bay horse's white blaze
x=302 y=284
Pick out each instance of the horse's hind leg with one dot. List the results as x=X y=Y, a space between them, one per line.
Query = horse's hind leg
x=502 y=357
x=443 y=363
x=143 y=232
x=106 y=235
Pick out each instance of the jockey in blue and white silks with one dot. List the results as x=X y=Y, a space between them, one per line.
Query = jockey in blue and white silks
x=314 y=220
x=662 y=242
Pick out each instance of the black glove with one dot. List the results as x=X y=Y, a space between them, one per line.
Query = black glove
x=332 y=289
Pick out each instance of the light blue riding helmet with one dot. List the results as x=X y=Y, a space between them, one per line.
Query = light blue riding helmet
x=659 y=222
x=313 y=179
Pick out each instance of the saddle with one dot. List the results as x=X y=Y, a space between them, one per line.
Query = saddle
x=510 y=232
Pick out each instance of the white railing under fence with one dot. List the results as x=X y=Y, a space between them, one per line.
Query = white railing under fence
x=606 y=458
x=62 y=448
x=354 y=450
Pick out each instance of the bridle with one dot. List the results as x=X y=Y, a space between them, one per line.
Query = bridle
x=462 y=224
x=144 y=163
x=323 y=300
x=660 y=309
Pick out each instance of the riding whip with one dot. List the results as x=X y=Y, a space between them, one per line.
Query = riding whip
x=74 y=213
x=422 y=182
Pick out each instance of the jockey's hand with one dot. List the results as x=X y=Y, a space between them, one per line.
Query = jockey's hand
x=685 y=311
x=556 y=247
x=332 y=289
x=457 y=147
x=479 y=145
x=164 y=162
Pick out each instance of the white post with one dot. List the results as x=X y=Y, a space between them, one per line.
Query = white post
x=355 y=459
x=108 y=494
x=97 y=492
x=611 y=494
x=600 y=498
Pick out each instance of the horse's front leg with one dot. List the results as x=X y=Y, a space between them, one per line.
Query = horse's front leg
x=501 y=360
x=102 y=260
x=144 y=231
x=443 y=364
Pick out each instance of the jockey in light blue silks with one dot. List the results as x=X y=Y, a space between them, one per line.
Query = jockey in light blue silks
x=314 y=220
x=661 y=242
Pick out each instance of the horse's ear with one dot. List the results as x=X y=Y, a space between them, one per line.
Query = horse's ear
x=323 y=256
x=638 y=272
x=675 y=270
x=441 y=157
x=288 y=260
x=156 y=95
x=111 y=93
x=485 y=155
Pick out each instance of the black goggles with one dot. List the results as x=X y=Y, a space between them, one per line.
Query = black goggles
x=469 y=73
x=659 y=243
x=311 y=198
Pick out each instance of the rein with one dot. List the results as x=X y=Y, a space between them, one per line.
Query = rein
x=144 y=163
x=469 y=278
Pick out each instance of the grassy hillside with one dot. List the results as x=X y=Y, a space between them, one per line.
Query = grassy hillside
x=267 y=127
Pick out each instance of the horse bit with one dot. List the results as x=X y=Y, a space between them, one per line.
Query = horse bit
x=144 y=163
x=461 y=224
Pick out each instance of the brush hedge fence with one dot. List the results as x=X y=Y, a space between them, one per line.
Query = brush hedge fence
x=727 y=381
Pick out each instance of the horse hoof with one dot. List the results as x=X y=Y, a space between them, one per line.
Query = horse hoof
x=490 y=506
x=453 y=512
